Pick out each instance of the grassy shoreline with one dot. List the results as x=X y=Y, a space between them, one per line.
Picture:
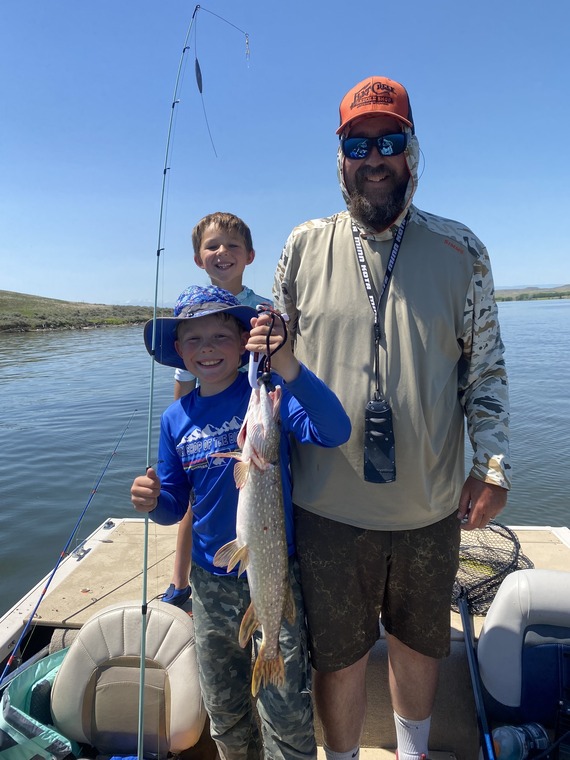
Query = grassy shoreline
x=533 y=294
x=20 y=312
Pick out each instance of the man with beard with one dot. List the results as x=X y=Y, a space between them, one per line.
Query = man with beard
x=394 y=308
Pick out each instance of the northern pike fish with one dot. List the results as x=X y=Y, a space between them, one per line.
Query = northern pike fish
x=260 y=546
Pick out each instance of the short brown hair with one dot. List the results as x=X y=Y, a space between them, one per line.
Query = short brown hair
x=226 y=222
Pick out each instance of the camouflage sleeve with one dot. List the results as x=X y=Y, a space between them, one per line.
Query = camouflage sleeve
x=284 y=286
x=483 y=388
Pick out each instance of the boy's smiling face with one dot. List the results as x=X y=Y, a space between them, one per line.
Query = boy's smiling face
x=211 y=348
x=224 y=255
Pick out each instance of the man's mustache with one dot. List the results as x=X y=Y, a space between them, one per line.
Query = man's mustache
x=372 y=172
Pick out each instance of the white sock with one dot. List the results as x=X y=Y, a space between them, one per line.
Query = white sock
x=412 y=737
x=352 y=754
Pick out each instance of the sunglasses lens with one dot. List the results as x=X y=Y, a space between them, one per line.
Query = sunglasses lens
x=388 y=145
x=392 y=145
x=356 y=147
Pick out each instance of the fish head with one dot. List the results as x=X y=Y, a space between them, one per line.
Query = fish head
x=260 y=434
x=270 y=403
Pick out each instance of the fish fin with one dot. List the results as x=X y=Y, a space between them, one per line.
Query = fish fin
x=289 y=608
x=223 y=556
x=257 y=438
x=230 y=554
x=260 y=445
x=227 y=455
x=241 y=473
x=242 y=435
x=267 y=671
x=249 y=625
x=241 y=556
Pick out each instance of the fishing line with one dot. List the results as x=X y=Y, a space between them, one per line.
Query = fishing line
x=198 y=70
x=64 y=551
x=229 y=24
x=159 y=250
x=199 y=82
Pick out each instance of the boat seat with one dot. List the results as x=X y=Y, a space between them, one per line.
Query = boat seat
x=95 y=695
x=524 y=647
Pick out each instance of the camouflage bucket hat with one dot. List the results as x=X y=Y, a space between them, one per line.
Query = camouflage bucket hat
x=193 y=303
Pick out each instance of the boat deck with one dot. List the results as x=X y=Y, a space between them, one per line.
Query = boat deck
x=107 y=568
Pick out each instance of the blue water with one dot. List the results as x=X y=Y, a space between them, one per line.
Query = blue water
x=67 y=398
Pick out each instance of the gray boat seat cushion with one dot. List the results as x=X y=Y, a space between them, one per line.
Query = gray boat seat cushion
x=524 y=647
x=95 y=695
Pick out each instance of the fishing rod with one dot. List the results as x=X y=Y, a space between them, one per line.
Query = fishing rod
x=166 y=169
x=63 y=553
x=485 y=735
x=159 y=250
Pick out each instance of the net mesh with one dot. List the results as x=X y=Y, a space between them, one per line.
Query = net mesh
x=486 y=556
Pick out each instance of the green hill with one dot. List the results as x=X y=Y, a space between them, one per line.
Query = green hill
x=529 y=294
x=20 y=312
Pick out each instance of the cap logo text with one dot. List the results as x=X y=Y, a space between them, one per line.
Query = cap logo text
x=374 y=93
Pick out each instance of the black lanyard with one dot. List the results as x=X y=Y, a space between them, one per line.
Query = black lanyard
x=371 y=291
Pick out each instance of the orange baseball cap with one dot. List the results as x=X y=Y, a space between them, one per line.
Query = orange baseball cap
x=373 y=96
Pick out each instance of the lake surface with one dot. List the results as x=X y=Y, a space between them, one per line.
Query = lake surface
x=66 y=398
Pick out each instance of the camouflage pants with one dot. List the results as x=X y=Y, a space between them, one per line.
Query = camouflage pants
x=285 y=713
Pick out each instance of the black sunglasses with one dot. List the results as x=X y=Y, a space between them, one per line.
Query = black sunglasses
x=388 y=145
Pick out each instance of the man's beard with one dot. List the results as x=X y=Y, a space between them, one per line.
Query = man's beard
x=380 y=212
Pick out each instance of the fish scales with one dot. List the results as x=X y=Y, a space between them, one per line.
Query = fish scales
x=260 y=546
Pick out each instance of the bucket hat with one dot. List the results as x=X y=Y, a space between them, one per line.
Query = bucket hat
x=193 y=303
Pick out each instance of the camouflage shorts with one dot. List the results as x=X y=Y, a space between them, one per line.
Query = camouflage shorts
x=351 y=575
x=285 y=713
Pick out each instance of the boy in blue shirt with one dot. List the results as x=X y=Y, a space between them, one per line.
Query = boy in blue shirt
x=210 y=337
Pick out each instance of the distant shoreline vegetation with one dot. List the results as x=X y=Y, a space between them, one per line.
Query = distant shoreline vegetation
x=20 y=312
x=532 y=294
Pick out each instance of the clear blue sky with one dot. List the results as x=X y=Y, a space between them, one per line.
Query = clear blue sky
x=86 y=91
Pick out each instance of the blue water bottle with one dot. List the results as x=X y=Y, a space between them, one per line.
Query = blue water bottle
x=520 y=742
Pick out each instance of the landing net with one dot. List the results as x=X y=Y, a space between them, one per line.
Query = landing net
x=486 y=556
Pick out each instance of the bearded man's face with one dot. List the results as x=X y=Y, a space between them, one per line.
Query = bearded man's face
x=376 y=184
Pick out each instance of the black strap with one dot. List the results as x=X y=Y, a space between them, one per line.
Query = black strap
x=371 y=290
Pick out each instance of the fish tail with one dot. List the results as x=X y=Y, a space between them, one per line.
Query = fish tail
x=267 y=671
